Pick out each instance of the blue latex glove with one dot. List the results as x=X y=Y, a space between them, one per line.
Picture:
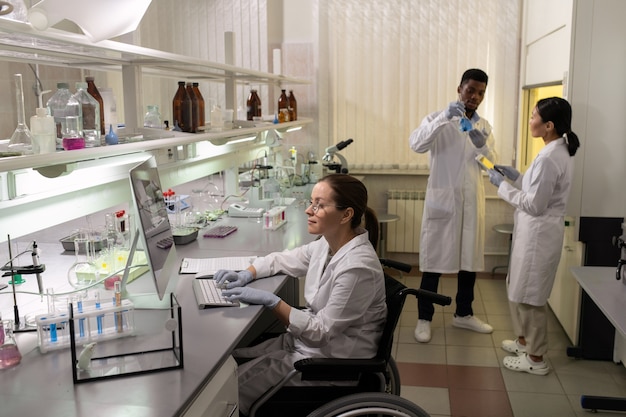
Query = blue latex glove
x=478 y=137
x=252 y=296
x=455 y=108
x=510 y=172
x=495 y=177
x=231 y=279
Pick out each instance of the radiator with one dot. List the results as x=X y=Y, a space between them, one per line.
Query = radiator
x=404 y=235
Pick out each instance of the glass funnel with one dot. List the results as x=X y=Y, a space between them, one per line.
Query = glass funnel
x=21 y=140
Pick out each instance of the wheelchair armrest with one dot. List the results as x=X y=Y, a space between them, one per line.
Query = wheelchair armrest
x=333 y=369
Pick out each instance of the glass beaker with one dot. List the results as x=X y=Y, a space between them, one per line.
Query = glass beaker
x=9 y=353
x=84 y=271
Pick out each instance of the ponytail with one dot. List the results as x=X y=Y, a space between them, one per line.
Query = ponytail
x=572 y=142
x=371 y=225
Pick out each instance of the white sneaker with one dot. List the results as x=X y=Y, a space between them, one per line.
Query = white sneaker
x=422 y=331
x=471 y=323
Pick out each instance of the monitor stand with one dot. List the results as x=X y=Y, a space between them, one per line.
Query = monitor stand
x=143 y=301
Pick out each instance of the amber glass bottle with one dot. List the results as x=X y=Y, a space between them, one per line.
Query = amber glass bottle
x=93 y=91
x=201 y=114
x=193 y=128
x=177 y=106
x=253 y=105
x=293 y=107
x=187 y=112
x=283 y=102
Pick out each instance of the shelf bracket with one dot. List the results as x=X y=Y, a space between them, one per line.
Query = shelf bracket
x=54 y=171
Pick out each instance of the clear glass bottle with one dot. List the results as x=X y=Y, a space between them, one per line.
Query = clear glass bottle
x=21 y=140
x=152 y=118
x=217 y=119
x=201 y=105
x=72 y=138
x=84 y=270
x=91 y=115
x=43 y=130
x=93 y=91
x=62 y=105
x=109 y=112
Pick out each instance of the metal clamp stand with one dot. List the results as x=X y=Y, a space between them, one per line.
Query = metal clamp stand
x=36 y=268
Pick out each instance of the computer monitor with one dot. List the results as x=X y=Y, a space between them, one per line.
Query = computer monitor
x=153 y=226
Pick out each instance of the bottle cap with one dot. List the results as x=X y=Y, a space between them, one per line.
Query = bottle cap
x=80 y=85
x=89 y=79
x=63 y=85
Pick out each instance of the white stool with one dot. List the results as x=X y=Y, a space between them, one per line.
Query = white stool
x=383 y=219
x=506 y=228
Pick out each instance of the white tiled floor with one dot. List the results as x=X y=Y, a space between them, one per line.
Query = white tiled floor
x=557 y=394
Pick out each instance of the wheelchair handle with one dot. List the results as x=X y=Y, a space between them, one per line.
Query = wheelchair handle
x=400 y=266
x=433 y=297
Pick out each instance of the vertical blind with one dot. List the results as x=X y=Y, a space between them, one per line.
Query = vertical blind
x=385 y=65
x=380 y=67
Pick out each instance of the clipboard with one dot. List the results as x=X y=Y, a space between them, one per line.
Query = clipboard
x=486 y=164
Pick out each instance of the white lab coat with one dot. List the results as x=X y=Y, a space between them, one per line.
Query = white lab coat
x=540 y=207
x=345 y=314
x=346 y=307
x=453 y=224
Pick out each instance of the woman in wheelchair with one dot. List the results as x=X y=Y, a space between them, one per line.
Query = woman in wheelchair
x=344 y=290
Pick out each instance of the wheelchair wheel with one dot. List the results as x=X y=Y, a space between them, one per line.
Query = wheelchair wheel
x=370 y=404
x=393 y=378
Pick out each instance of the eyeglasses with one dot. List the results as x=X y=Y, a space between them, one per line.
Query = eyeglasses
x=315 y=207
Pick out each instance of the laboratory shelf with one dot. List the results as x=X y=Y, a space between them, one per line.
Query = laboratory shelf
x=19 y=42
x=160 y=140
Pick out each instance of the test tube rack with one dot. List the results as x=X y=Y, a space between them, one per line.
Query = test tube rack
x=274 y=218
x=94 y=323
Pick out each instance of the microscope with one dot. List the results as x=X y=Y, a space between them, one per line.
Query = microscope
x=329 y=157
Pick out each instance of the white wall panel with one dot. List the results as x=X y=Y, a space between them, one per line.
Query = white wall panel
x=547 y=59
x=545 y=17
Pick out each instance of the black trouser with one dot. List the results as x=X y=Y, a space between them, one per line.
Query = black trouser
x=464 y=294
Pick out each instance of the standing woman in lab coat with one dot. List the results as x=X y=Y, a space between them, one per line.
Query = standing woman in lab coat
x=540 y=198
x=344 y=290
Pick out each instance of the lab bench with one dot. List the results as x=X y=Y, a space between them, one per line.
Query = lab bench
x=207 y=386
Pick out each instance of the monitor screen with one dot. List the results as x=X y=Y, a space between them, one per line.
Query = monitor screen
x=153 y=225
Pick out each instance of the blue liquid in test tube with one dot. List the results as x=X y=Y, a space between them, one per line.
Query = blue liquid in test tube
x=53 y=332
x=99 y=318
x=81 y=322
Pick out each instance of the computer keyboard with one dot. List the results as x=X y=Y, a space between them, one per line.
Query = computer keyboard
x=220 y=231
x=209 y=295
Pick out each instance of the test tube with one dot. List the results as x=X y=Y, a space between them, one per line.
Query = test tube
x=100 y=317
x=119 y=325
x=81 y=321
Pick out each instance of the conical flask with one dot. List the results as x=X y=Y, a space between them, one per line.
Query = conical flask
x=9 y=353
x=21 y=140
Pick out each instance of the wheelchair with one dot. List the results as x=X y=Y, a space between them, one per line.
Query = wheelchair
x=374 y=384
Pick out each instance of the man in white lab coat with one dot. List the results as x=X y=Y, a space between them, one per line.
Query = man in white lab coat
x=453 y=225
